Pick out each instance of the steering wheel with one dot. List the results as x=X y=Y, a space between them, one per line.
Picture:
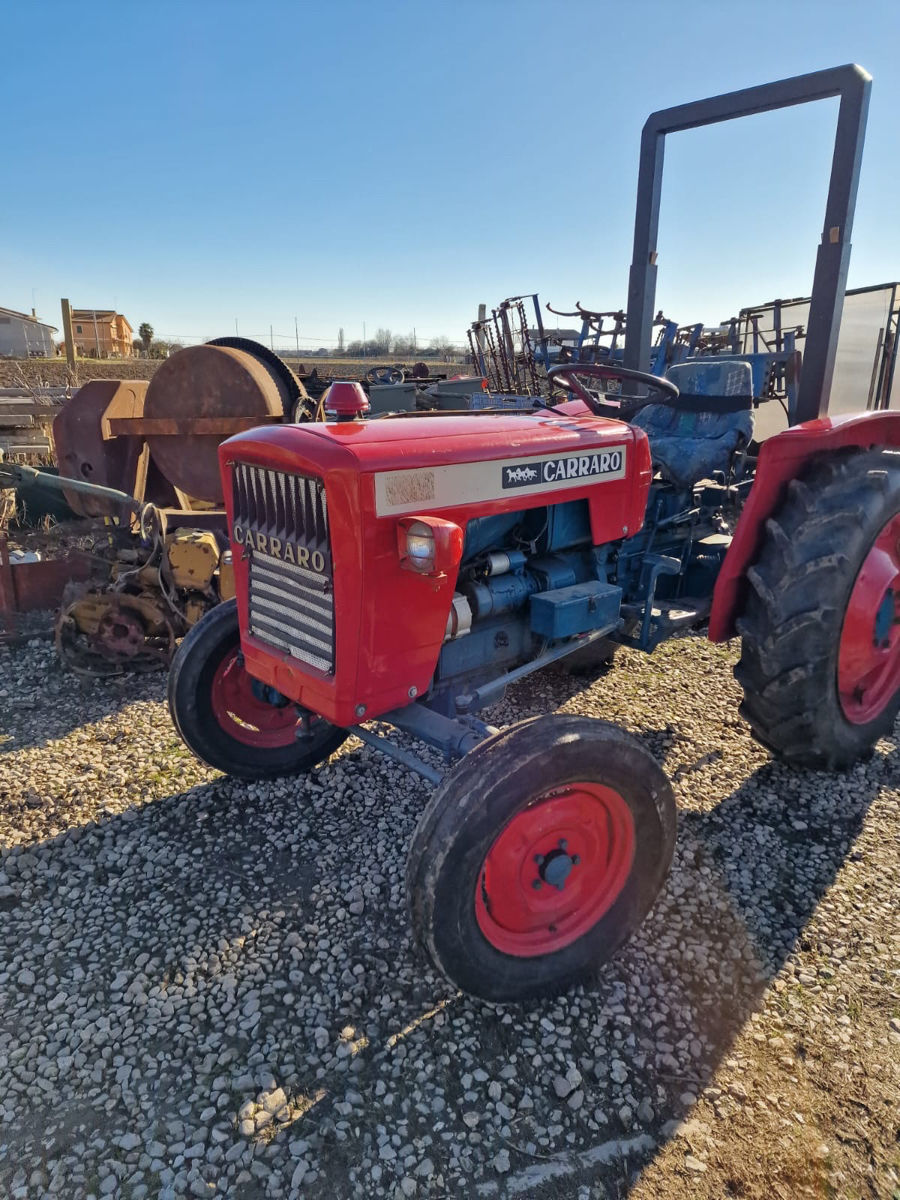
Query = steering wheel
x=661 y=391
x=385 y=375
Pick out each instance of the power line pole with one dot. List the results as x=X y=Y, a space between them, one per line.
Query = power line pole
x=236 y=334
x=271 y=339
x=297 y=335
x=364 y=339
x=67 y=334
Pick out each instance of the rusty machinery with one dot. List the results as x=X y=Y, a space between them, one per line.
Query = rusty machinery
x=143 y=456
x=512 y=358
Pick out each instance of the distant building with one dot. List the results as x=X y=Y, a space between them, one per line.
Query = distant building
x=22 y=336
x=101 y=333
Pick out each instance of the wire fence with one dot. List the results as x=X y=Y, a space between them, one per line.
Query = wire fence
x=299 y=345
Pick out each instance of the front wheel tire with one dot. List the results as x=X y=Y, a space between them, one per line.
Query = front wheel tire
x=230 y=720
x=538 y=856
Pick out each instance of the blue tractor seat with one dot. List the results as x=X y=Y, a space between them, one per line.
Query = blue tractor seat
x=698 y=434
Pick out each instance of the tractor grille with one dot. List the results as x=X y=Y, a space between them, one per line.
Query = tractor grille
x=282 y=521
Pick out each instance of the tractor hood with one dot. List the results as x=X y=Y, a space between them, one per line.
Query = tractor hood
x=392 y=442
x=438 y=462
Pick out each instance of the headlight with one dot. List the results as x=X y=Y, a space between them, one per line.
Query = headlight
x=429 y=545
x=420 y=546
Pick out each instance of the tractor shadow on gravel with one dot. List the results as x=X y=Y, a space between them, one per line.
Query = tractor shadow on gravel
x=97 y=700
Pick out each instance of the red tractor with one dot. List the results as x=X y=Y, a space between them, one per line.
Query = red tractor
x=405 y=569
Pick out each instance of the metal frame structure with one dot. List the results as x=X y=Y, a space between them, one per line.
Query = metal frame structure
x=784 y=332
x=503 y=350
x=852 y=84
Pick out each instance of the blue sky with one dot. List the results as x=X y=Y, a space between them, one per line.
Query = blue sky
x=396 y=163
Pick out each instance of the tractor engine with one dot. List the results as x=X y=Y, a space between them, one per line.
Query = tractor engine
x=415 y=557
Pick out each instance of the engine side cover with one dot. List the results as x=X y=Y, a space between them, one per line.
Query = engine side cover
x=388 y=623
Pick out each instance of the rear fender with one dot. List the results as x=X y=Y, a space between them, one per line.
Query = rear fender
x=781 y=459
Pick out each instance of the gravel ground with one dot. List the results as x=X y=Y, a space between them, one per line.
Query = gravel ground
x=208 y=989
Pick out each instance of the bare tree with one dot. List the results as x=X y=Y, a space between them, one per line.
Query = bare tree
x=405 y=345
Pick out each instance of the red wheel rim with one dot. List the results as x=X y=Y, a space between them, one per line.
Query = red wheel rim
x=869 y=652
x=243 y=715
x=580 y=837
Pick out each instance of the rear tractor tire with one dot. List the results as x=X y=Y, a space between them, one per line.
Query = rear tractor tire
x=820 y=656
x=538 y=856
x=229 y=719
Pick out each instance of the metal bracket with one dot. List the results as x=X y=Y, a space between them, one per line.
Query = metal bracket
x=453 y=738
x=478 y=698
x=396 y=752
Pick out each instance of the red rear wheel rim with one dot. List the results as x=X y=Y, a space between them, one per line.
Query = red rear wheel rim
x=555 y=869
x=243 y=715
x=869 y=652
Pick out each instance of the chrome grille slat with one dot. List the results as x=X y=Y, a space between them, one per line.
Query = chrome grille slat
x=290 y=607
x=265 y=623
x=265 y=595
x=290 y=645
x=280 y=591
x=265 y=607
x=291 y=573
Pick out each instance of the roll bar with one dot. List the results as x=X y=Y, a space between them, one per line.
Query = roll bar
x=852 y=84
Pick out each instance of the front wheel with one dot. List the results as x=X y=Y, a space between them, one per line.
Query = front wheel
x=232 y=721
x=820 y=653
x=538 y=856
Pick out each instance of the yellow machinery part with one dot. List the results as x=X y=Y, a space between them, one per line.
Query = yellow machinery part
x=89 y=610
x=226 y=577
x=147 y=577
x=194 y=608
x=192 y=557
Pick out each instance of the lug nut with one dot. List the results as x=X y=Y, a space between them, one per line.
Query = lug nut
x=536 y=884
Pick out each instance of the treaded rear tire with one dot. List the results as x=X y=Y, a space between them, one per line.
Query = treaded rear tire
x=798 y=594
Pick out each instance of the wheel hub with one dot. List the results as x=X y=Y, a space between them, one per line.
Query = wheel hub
x=555 y=869
x=266 y=694
x=121 y=632
x=249 y=710
x=884 y=620
x=869 y=651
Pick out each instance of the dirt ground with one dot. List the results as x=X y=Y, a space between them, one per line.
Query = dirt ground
x=55 y=372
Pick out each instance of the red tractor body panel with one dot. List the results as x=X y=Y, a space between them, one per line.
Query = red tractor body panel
x=781 y=459
x=390 y=623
